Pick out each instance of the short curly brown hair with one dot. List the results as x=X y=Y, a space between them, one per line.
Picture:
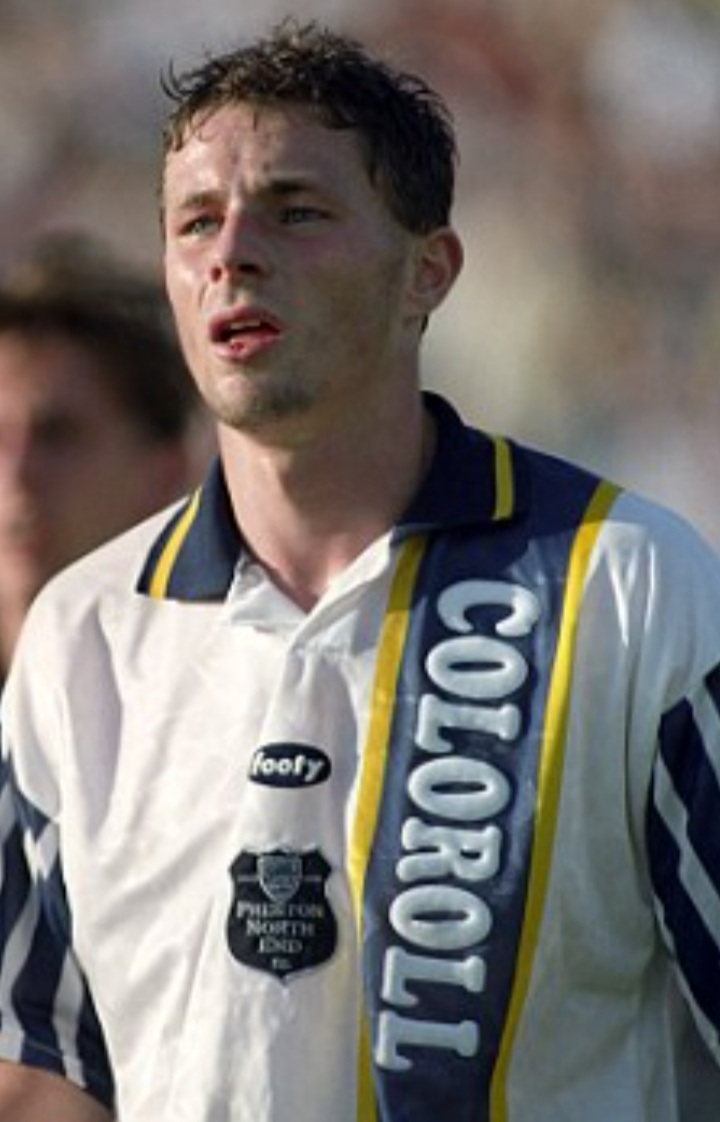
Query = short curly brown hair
x=404 y=126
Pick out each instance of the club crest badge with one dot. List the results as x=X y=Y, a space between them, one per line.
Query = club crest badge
x=280 y=919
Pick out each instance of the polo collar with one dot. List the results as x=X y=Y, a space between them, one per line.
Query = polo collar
x=475 y=479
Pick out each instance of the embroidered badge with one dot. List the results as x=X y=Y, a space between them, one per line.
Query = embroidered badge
x=280 y=920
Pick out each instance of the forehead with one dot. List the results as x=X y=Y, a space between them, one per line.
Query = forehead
x=264 y=141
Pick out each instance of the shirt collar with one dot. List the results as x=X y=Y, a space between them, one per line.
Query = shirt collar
x=474 y=480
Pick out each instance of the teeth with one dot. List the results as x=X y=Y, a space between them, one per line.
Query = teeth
x=234 y=329
x=245 y=325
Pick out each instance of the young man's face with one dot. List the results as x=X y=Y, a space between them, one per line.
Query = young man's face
x=292 y=283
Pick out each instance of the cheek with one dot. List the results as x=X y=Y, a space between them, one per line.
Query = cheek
x=181 y=283
x=185 y=313
x=370 y=299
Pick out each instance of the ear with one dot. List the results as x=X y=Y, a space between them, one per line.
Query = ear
x=437 y=262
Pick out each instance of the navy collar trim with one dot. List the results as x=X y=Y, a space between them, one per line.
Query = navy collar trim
x=475 y=479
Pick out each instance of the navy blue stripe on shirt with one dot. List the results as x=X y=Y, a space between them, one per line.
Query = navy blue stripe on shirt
x=14 y=878
x=696 y=784
x=684 y=843
x=696 y=950
x=34 y=991
x=43 y=992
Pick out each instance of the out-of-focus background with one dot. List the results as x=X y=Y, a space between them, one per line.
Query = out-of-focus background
x=587 y=319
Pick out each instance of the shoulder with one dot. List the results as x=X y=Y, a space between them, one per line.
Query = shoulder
x=646 y=579
x=101 y=584
x=661 y=543
x=653 y=583
x=114 y=566
x=629 y=525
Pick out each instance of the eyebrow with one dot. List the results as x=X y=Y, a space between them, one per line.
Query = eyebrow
x=280 y=188
x=197 y=200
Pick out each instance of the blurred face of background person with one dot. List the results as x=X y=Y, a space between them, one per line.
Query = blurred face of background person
x=97 y=422
x=75 y=467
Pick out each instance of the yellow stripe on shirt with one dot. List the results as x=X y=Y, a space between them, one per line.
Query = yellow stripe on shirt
x=163 y=569
x=504 y=482
x=549 y=783
x=372 y=778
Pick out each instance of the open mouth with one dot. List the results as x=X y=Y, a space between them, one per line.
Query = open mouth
x=243 y=329
x=229 y=332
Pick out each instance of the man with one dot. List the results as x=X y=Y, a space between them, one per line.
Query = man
x=96 y=413
x=378 y=780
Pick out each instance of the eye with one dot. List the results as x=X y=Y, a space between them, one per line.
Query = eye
x=198 y=225
x=297 y=215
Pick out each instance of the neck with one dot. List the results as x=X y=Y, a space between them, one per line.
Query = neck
x=308 y=510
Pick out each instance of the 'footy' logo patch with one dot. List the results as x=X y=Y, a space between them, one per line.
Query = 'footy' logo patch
x=289 y=765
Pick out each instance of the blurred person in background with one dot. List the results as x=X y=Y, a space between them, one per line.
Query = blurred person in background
x=97 y=412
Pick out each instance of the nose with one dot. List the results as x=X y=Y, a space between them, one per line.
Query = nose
x=240 y=249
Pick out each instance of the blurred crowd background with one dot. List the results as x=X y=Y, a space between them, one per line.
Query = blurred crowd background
x=587 y=319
